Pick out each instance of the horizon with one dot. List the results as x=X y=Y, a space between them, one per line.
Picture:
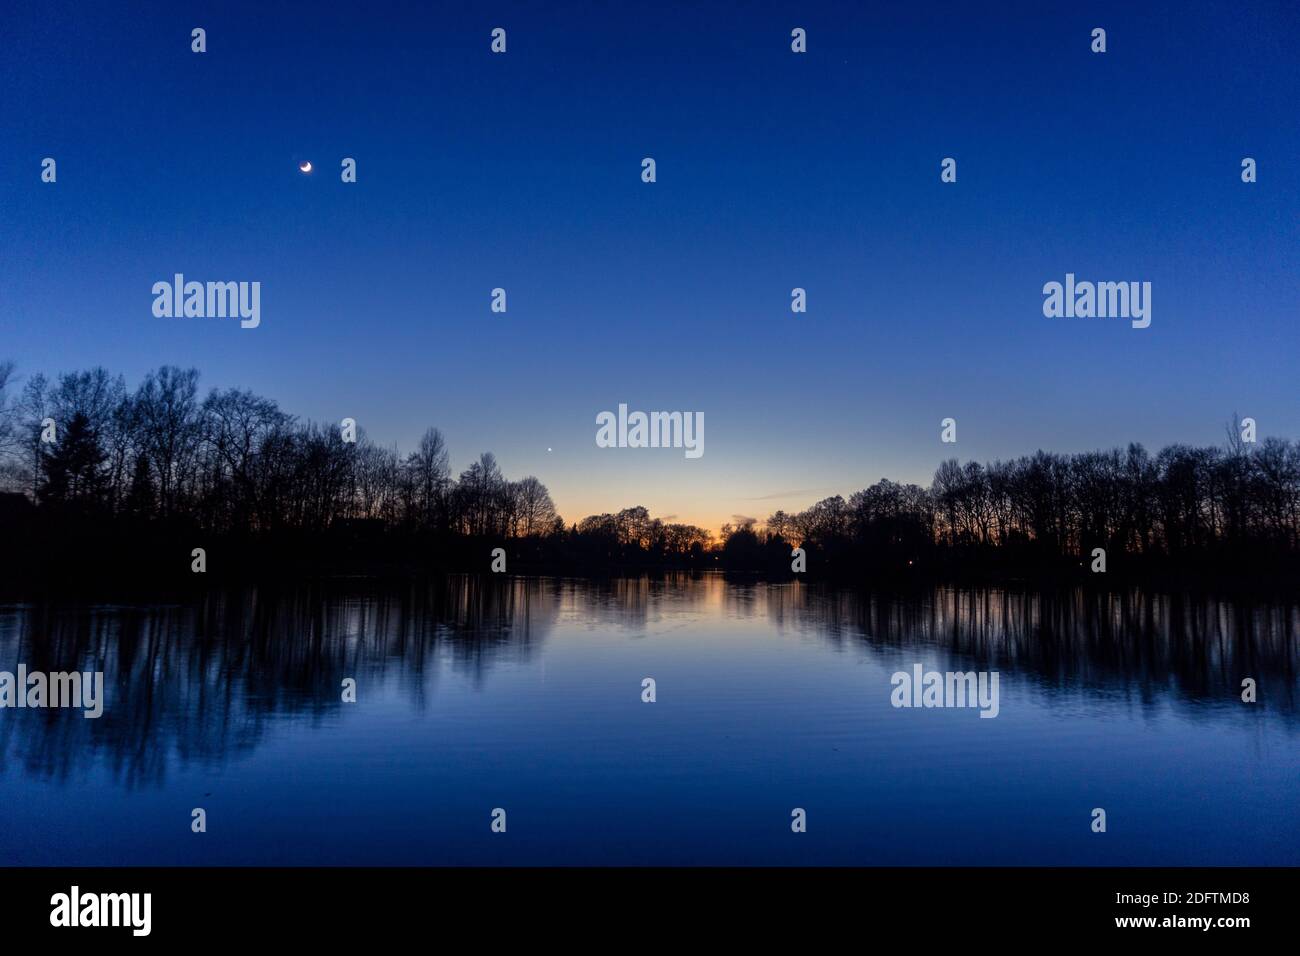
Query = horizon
x=800 y=499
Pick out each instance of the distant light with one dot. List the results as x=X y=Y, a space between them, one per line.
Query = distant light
x=305 y=166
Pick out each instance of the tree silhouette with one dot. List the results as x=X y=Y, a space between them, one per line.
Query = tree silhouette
x=73 y=470
x=233 y=465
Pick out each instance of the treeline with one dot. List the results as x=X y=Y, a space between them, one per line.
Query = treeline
x=1223 y=510
x=82 y=456
x=144 y=473
x=233 y=462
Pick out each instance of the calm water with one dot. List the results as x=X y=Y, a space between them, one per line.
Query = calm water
x=525 y=694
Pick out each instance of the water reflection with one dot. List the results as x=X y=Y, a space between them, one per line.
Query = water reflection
x=201 y=681
x=1181 y=646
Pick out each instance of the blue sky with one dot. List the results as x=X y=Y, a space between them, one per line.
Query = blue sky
x=775 y=170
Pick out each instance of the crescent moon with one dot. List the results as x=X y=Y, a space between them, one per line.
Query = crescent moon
x=305 y=167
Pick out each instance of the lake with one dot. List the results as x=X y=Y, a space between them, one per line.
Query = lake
x=526 y=695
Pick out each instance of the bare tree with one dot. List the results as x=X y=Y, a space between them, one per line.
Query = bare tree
x=535 y=511
x=168 y=417
x=430 y=474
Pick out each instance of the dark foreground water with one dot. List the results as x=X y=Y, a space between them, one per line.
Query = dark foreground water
x=525 y=694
